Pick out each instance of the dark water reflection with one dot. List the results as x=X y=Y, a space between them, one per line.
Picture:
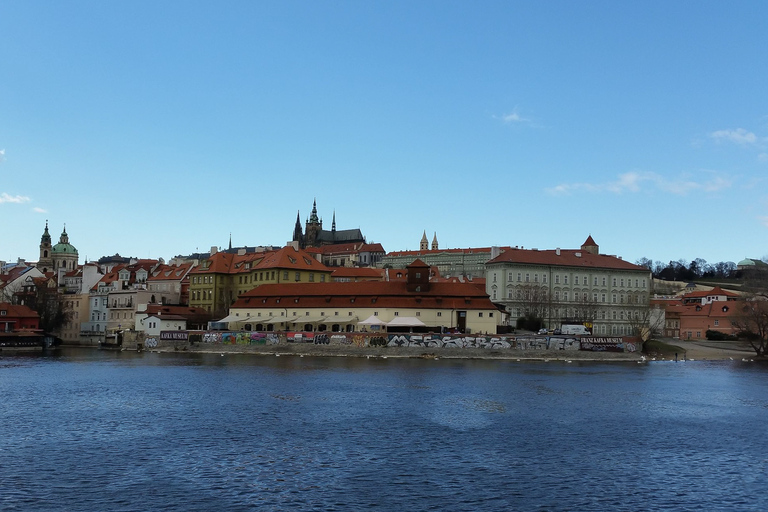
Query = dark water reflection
x=91 y=430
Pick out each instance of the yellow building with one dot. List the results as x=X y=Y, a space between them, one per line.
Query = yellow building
x=217 y=282
x=341 y=306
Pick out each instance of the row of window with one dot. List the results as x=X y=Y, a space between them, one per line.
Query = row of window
x=638 y=298
x=577 y=280
x=375 y=313
x=260 y=276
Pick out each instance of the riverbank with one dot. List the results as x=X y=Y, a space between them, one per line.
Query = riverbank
x=313 y=350
x=712 y=350
x=691 y=350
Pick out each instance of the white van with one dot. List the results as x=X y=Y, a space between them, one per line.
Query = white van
x=575 y=329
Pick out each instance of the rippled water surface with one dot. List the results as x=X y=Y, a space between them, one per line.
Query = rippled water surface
x=96 y=430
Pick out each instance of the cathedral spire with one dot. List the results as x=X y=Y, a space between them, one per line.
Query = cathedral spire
x=333 y=224
x=313 y=216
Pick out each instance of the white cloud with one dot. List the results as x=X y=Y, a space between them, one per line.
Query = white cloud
x=513 y=117
x=39 y=210
x=738 y=136
x=635 y=182
x=2 y=155
x=5 y=198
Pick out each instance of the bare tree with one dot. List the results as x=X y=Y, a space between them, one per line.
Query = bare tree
x=585 y=309
x=533 y=301
x=645 y=322
x=753 y=321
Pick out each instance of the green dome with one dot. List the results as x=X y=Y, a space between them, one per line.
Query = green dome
x=64 y=249
x=746 y=263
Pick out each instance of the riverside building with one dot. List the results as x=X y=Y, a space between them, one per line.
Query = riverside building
x=607 y=294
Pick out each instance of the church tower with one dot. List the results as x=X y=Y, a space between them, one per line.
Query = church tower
x=45 y=263
x=313 y=227
x=298 y=235
x=434 y=243
x=424 y=244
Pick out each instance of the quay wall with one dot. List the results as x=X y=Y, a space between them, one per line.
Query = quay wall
x=306 y=342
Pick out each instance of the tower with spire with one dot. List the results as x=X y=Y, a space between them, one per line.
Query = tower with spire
x=313 y=228
x=314 y=235
x=45 y=263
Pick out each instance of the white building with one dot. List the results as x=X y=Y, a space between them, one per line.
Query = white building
x=604 y=292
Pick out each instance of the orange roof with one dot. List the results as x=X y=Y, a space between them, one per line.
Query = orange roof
x=385 y=294
x=714 y=291
x=17 y=310
x=589 y=241
x=170 y=272
x=350 y=248
x=565 y=258
x=291 y=258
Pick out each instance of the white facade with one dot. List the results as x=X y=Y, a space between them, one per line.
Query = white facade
x=152 y=325
x=604 y=292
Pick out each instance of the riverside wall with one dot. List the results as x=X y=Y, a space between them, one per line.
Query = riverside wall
x=384 y=344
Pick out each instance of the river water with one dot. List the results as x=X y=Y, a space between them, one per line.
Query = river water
x=99 y=430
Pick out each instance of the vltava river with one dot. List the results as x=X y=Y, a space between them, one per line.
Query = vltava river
x=87 y=430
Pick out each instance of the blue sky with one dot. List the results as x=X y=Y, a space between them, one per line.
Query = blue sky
x=158 y=128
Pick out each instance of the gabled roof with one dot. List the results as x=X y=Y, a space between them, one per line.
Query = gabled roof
x=162 y=311
x=170 y=272
x=290 y=258
x=17 y=311
x=564 y=257
x=709 y=293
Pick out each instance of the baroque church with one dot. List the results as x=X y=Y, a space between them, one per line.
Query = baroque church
x=63 y=255
x=314 y=235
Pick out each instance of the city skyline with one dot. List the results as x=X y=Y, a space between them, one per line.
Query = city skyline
x=156 y=130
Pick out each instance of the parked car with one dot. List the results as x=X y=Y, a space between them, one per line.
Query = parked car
x=543 y=331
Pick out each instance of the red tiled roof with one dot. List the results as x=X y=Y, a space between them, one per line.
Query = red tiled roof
x=714 y=291
x=350 y=248
x=589 y=241
x=385 y=294
x=170 y=272
x=17 y=311
x=182 y=311
x=293 y=259
x=566 y=258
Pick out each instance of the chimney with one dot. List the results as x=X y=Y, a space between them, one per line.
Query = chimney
x=578 y=254
x=557 y=251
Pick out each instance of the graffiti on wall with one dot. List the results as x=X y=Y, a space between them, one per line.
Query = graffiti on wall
x=516 y=342
x=240 y=338
x=434 y=341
